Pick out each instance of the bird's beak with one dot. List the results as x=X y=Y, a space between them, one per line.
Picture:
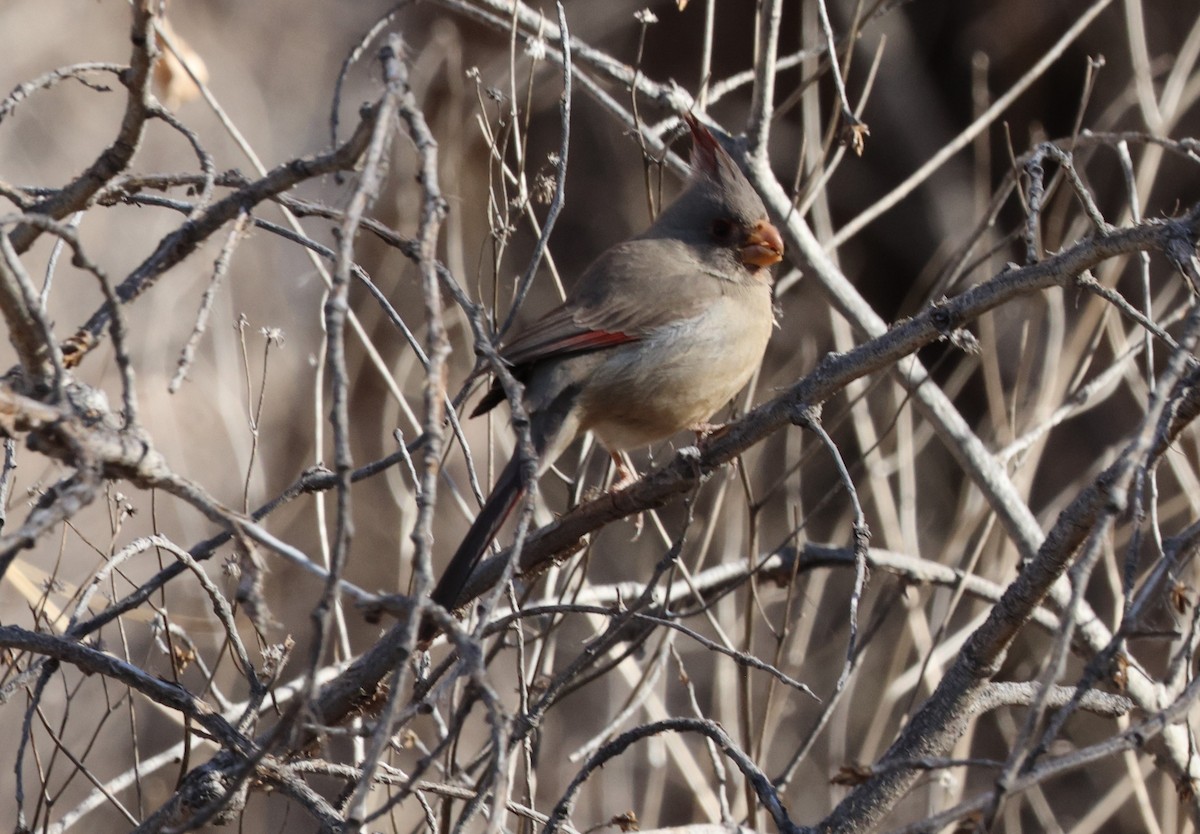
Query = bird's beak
x=763 y=245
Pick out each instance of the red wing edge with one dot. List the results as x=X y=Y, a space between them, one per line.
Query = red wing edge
x=574 y=343
x=521 y=353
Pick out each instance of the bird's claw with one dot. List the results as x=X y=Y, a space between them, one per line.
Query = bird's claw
x=704 y=431
x=626 y=475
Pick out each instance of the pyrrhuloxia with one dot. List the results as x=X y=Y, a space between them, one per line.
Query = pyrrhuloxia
x=659 y=333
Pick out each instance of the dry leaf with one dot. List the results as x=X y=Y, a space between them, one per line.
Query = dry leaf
x=172 y=83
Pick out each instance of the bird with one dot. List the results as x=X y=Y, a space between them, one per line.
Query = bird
x=658 y=333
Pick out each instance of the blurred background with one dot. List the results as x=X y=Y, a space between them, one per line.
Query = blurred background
x=272 y=67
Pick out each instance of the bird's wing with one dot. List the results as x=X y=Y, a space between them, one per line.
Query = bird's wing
x=631 y=290
x=558 y=333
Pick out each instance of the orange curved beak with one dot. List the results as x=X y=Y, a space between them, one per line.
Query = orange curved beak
x=763 y=245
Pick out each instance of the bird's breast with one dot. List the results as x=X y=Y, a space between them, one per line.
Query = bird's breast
x=679 y=375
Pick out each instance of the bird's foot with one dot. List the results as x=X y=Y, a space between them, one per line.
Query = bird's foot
x=706 y=430
x=626 y=475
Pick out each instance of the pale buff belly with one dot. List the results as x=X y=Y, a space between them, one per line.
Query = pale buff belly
x=652 y=389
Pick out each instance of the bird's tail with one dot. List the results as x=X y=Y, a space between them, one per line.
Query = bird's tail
x=505 y=494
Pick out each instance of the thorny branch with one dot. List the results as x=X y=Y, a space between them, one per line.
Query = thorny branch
x=410 y=724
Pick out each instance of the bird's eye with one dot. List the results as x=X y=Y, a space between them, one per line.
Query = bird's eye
x=723 y=230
